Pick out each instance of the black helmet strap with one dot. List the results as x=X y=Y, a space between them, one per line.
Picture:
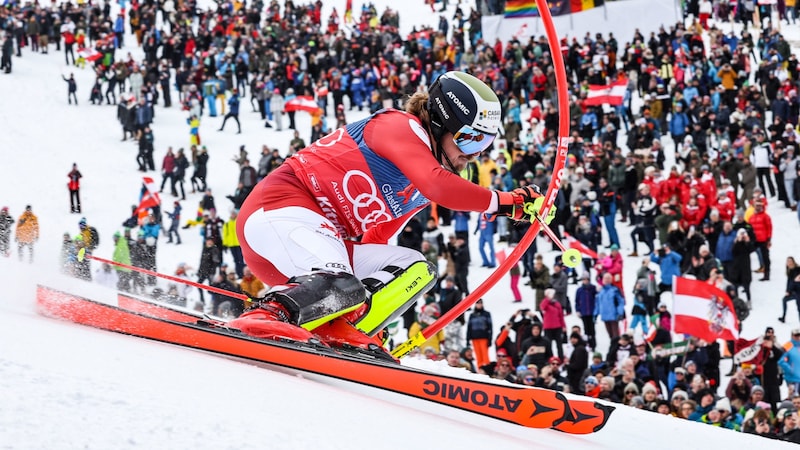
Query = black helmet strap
x=437 y=131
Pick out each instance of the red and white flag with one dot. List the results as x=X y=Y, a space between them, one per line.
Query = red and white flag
x=149 y=197
x=301 y=103
x=89 y=54
x=578 y=245
x=703 y=311
x=749 y=351
x=613 y=94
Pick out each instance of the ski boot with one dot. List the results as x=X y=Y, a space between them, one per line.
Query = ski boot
x=306 y=302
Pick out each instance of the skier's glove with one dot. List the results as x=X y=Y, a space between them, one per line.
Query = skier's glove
x=521 y=203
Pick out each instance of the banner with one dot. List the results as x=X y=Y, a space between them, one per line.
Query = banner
x=613 y=94
x=703 y=311
x=671 y=349
x=748 y=351
x=301 y=103
x=528 y=8
x=89 y=54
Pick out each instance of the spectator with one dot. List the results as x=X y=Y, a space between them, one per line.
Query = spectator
x=762 y=228
x=168 y=171
x=610 y=306
x=553 y=321
x=479 y=332
x=74 y=187
x=6 y=223
x=585 y=299
x=27 y=232
x=72 y=89
x=233 y=111
x=577 y=363
x=230 y=242
x=536 y=349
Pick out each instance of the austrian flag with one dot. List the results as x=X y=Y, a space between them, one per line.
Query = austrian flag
x=613 y=94
x=703 y=311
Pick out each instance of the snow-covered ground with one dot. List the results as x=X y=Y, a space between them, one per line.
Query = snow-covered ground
x=66 y=386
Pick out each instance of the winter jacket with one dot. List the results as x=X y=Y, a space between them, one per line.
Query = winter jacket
x=479 y=325
x=762 y=155
x=122 y=254
x=609 y=304
x=790 y=363
x=27 y=228
x=210 y=259
x=541 y=350
x=762 y=226
x=229 y=238
x=724 y=250
x=168 y=164
x=559 y=282
x=552 y=314
x=585 y=299
x=233 y=104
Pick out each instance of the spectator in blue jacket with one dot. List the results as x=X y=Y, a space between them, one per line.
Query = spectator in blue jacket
x=724 y=249
x=233 y=112
x=678 y=125
x=670 y=264
x=610 y=306
x=790 y=362
x=585 y=305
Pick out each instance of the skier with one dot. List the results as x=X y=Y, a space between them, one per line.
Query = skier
x=367 y=179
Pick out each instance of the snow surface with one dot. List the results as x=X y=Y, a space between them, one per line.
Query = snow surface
x=67 y=386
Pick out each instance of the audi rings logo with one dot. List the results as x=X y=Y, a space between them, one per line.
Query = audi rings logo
x=361 y=191
x=330 y=139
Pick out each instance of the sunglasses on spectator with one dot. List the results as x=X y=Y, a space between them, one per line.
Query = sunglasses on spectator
x=630 y=393
x=530 y=379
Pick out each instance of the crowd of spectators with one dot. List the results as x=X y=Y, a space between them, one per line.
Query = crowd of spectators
x=728 y=101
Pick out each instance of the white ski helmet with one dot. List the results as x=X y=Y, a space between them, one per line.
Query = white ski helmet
x=465 y=106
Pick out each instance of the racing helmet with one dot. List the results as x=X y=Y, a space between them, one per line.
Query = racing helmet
x=465 y=106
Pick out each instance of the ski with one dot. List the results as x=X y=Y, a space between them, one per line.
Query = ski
x=529 y=407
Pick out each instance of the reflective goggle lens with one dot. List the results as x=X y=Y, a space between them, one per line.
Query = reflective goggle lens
x=471 y=141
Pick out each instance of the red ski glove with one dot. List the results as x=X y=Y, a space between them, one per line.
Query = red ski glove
x=512 y=204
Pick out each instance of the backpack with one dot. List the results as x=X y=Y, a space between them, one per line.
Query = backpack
x=95 y=238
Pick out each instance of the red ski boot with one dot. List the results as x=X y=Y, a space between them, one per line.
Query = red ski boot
x=270 y=321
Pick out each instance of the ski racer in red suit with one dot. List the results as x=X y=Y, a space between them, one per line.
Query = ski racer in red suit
x=298 y=227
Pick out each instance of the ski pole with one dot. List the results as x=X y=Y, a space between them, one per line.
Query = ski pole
x=550 y=197
x=570 y=257
x=82 y=254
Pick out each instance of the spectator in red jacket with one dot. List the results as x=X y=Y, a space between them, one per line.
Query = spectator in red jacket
x=74 y=187
x=725 y=206
x=762 y=228
x=553 y=320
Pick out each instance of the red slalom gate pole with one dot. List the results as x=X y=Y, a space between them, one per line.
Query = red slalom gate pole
x=82 y=254
x=550 y=197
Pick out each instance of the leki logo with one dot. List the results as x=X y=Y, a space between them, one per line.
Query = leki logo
x=368 y=208
x=406 y=193
x=331 y=228
x=457 y=101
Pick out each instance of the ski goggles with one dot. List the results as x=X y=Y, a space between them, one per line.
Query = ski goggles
x=471 y=141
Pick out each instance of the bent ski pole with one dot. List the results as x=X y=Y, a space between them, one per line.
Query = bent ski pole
x=550 y=197
x=82 y=254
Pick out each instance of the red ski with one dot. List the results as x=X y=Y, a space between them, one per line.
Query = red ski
x=529 y=407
